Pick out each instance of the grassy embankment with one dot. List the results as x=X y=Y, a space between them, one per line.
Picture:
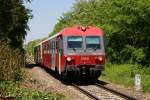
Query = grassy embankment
x=11 y=89
x=12 y=64
x=124 y=74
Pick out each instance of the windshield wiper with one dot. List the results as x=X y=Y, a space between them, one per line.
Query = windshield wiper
x=96 y=48
x=74 y=49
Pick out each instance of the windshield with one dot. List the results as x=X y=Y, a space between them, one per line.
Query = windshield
x=93 y=42
x=75 y=42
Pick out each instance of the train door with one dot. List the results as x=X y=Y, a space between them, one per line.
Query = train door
x=53 y=55
x=59 y=54
x=35 y=54
x=38 y=54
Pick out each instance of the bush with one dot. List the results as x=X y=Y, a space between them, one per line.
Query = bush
x=11 y=62
x=10 y=89
x=124 y=74
x=30 y=47
x=132 y=55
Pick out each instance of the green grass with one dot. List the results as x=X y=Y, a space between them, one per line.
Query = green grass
x=124 y=74
x=10 y=89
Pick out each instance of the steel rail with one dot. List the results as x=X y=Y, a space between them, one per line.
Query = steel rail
x=125 y=96
x=85 y=92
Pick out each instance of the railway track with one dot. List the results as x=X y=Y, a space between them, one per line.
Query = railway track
x=125 y=96
x=86 y=92
x=89 y=90
x=98 y=94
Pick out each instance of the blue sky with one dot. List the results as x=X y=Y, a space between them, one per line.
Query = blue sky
x=46 y=14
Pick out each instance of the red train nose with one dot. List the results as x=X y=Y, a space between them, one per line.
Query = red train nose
x=85 y=60
x=70 y=61
x=100 y=60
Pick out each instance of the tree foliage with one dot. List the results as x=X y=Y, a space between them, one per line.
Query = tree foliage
x=125 y=23
x=30 y=47
x=13 y=28
x=13 y=21
x=11 y=63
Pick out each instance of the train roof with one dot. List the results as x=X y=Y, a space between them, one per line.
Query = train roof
x=80 y=30
x=75 y=31
x=49 y=38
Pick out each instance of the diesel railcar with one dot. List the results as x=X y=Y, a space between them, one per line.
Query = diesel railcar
x=75 y=51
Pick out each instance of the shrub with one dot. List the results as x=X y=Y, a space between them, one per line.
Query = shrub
x=30 y=47
x=11 y=62
x=132 y=55
x=10 y=89
x=125 y=74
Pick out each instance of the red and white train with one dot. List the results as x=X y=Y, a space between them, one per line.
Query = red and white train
x=75 y=51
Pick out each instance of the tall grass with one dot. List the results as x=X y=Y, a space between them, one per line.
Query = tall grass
x=125 y=74
x=11 y=63
x=12 y=90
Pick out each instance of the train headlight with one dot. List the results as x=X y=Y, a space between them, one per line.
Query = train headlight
x=68 y=59
x=100 y=58
x=83 y=28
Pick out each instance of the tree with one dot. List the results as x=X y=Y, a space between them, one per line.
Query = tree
x=13 y=26
x=13 y=21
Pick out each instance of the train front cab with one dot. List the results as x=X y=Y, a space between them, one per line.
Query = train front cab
x=84 y=56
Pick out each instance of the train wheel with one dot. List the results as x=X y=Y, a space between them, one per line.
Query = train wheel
x=56 y=70
x=97 y=75
x=65 y=75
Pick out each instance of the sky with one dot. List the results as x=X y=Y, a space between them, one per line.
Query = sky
x=45 y=16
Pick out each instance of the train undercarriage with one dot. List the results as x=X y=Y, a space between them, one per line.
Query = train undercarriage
x=90 y=72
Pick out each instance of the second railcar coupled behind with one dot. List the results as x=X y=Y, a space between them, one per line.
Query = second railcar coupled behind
x=75 y=51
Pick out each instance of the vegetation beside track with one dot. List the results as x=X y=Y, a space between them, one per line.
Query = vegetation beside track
x=30 y=47
x=11 y=89
x=11 y=63
x=14 y=18
x=125 y=73
x=12 y=73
